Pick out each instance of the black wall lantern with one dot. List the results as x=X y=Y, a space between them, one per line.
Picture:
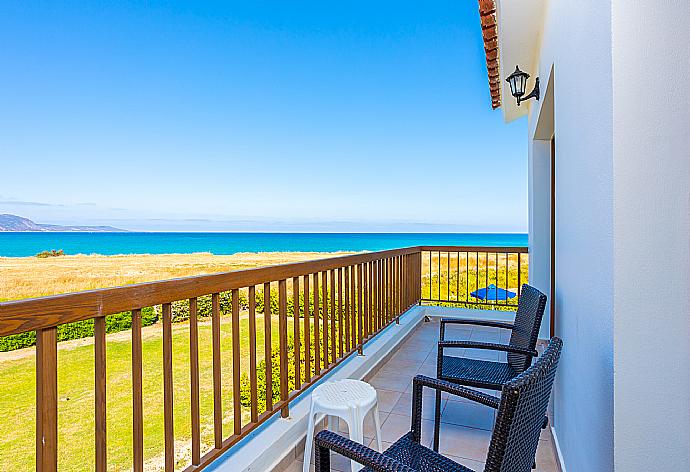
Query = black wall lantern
x=518 y=83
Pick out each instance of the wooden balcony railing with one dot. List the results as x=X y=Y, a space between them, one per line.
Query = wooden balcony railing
x=326 y=310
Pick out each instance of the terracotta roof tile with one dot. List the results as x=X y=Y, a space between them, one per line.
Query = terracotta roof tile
x=487 y=15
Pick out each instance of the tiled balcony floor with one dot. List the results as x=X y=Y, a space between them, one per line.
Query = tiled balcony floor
x=465 y=426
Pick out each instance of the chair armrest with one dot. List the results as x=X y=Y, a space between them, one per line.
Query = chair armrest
x=329 y=440
x=467 y=321
x=494 y=324
x=490 y=346
x=474 y=395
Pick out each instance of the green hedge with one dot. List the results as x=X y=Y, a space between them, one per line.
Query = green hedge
x=79 y=329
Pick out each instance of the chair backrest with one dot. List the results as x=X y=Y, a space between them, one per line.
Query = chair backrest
x=521 y=414
x=526 y=328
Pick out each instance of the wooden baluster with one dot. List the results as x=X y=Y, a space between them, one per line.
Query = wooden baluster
x=100 y=393
x=137 y=401
x=386 y=291
x=403 y=283
x=168 y=389
x=341 y=338
x=282 y=333
x=268 y=347
x=46 y=399
x=317 y=337
x=394 y=288
x=382 y=321
x=253 y=382
x=391 y=290
x=334 y=354
x=237 y=406
x=360 y=308
x=295 y=327
x=194 y=381
x=377 y=294
x=347 y=309
x=519 y=277
x=367 y=307
x=324 y=316
x=307 y=330
x=353 y=307
x=217 y=396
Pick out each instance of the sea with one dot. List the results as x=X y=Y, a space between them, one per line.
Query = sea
x=23 y=244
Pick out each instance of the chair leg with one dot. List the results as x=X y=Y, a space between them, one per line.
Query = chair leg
x=377 y=425
x=546 y=423
x=356 y=428
x=437 y=420
x=323 y=459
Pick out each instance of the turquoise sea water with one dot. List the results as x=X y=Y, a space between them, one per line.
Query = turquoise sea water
x=29 y=244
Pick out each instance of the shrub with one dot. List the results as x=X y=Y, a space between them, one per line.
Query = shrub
x=51 y=253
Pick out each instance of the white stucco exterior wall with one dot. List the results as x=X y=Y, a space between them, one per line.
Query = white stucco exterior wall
x=622 y=124
x=651 y=227
x=539 y=176
x=576 y=48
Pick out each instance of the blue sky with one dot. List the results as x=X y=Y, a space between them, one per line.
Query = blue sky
x=255 y=115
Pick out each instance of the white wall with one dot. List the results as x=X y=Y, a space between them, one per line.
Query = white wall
x=622 y=123
x=576 y=48
x=651 y=227
x=539 y=184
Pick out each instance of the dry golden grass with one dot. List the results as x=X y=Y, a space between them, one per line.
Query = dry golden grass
x=26 y=277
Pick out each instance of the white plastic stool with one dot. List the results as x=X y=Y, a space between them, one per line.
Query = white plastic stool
x=349 y=400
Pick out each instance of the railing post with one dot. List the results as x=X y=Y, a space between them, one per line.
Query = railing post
x=217 y=394
x=194 y=381
x=168 y=413
x=46 y=400
x=100 y=393
x=282 y=328
x=360 y=308
x=137 y=400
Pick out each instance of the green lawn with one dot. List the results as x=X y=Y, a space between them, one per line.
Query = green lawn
x=76 y=398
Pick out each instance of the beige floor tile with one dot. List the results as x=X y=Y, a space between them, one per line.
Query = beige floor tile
x=473 y=415
x=369 y=428
x=457 y=331
x=482 y=354
x=462 y=441
x=404 y=405
x=476 y=466
x=428 y=369
x=387 y=399
x=546 y=457
x=396 y=365
x=392 y=381
x=397 y=426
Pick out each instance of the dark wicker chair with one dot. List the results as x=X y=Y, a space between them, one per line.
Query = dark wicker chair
x=487 y=374
x=514 y=440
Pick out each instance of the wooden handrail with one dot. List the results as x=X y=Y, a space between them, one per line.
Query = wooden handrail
x=490 y=249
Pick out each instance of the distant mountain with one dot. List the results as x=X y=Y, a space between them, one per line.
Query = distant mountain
x=17 y=223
